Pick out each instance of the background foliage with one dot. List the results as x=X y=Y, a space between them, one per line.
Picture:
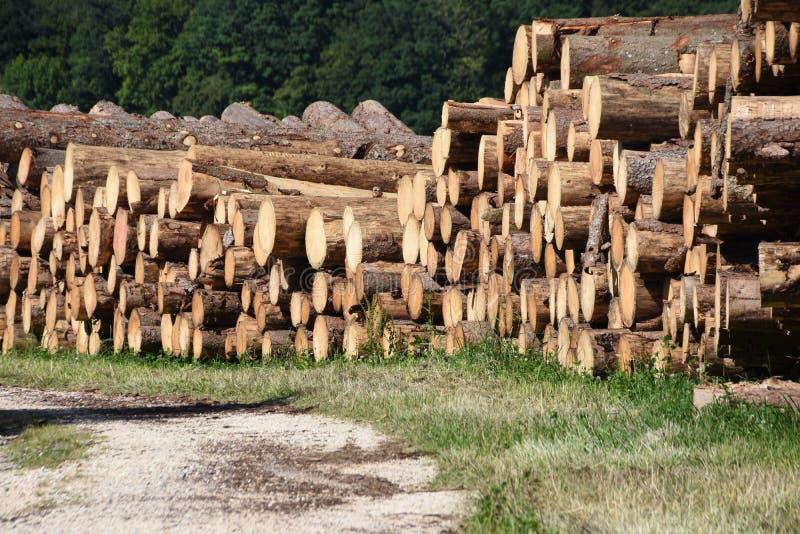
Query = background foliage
x=193 y=57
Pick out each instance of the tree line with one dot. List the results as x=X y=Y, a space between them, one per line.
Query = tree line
x=194 y=57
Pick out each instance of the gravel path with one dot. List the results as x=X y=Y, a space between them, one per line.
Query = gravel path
x=162 y=466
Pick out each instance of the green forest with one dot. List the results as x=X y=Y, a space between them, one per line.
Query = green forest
x=194 y=57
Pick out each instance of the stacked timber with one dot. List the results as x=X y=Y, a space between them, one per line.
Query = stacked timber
x=197 y=238
x=638 y=206
x=629 y=201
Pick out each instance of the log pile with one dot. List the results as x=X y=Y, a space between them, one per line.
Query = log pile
x=629 y=201
x=196 y=238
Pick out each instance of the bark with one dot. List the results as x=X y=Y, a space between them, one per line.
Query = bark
x=173 y=239
x=598 y=233
x=583 y=55
x=653 y=247
x=769 y=147
x=217 y=309
x=452 y=148
x=779 y=274
x=636 y=107
x=474 y=117
x=356 y=173
x=23 y=128
x=374 y=117
x=326 y=116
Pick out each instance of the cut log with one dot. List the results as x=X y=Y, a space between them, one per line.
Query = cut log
x=488 y=165
x=509 y=138
x=324 y=115
x=569 y=184
x=653 y=247
x=547 y=34
x=215 y=309
x=86 y=165
x=668 y=189
x=636 y=169
x=34 y=162
x=374 y=117
x=452 y=148
x=589 y=55
x=636 y=107
x=173 y=239
x=779 y=274
x=478 y=118
x=328 y=335
x=355 y=173
x=765 y=10
x=596 y=352
x=639 y=300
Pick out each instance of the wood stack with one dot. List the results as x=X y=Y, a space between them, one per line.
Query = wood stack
x=635 y=207
x=127 y=232
x=628 y=201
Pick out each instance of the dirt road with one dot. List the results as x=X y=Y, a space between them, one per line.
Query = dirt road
x=161 y=466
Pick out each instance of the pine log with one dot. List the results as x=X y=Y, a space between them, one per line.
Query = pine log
x=216 y=309
x=34 y=162
x=86 y=165
x=583 y=55
x=765 y=10
x=779 y=274
x=374 y=117
x=636 y=107
x=475 y=117
x=639 y=300
x=134 y=295
x=653 y=247
x=173 y=239
x=668 y=189
x=328 y=335
x=488 y=165
x=509 y=138
x=547 y=34
x=452 y=148
x=356 y=173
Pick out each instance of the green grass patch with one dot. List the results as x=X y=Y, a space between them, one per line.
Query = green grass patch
x=47 y=445
x=544 y=448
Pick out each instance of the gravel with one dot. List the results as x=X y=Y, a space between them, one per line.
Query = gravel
x=161 y=465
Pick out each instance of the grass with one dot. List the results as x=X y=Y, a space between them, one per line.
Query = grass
x=47 y=445
x=544 y=448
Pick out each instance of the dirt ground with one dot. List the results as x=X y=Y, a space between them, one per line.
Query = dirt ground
x=161 y=465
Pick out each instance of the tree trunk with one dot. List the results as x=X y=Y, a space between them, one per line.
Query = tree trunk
x=653 y=247
x=34 y=162
x=215 y=309
x=355 y=173
x=509 y=139
x=452 y=148
x=134 y=295
x=173 y=239
x=592 y=55
x=475 y=117
x=779 y=274
x=636 y=107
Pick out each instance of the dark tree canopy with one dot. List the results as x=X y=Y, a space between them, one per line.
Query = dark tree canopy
x=196 y=56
